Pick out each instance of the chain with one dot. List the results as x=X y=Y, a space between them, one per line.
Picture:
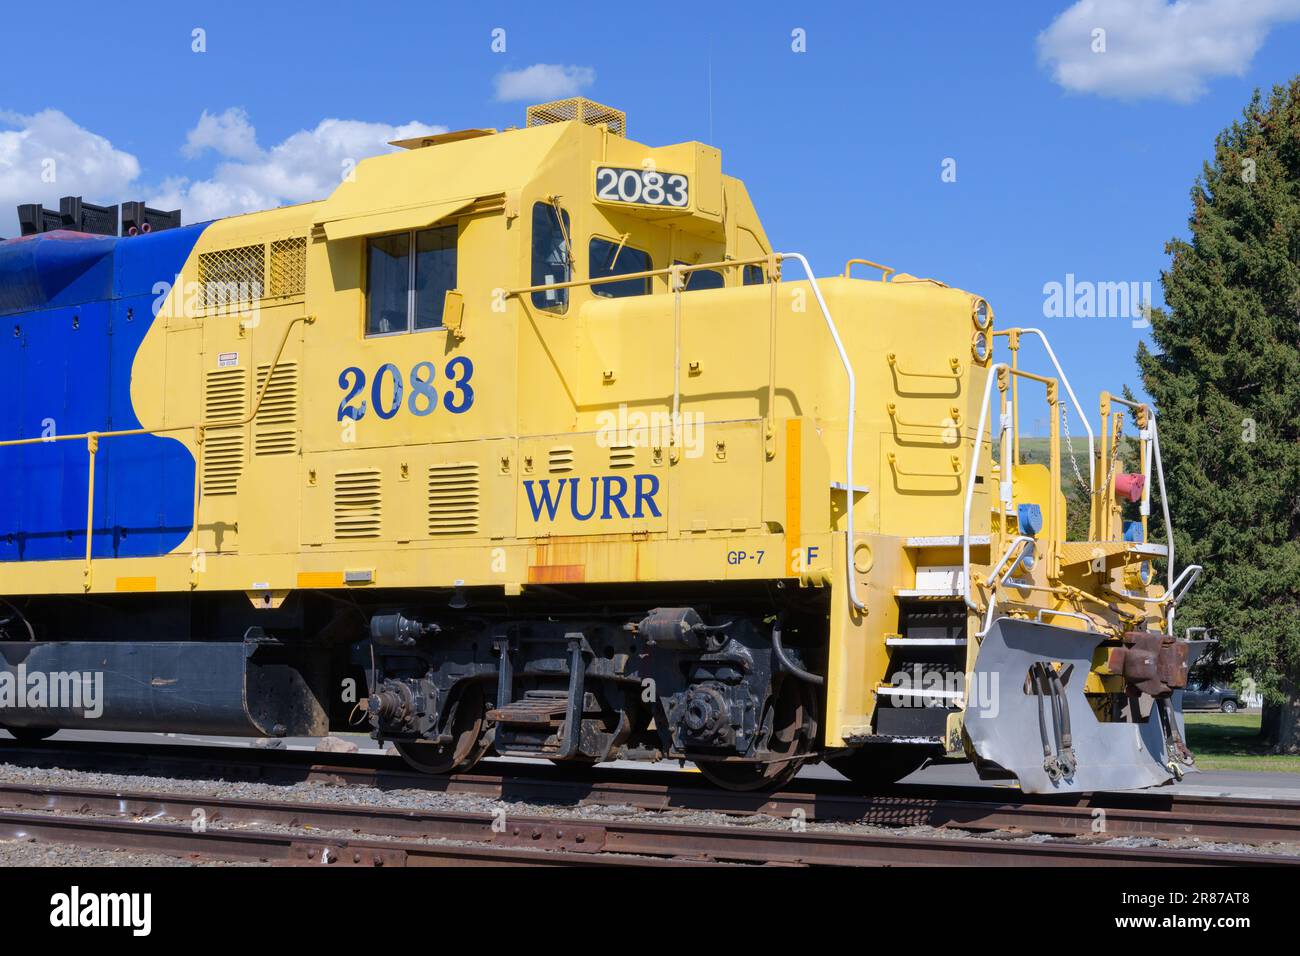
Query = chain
x=1074 y=462
x=1118 y=440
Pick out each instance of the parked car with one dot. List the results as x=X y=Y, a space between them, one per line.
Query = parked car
x=1206 y=695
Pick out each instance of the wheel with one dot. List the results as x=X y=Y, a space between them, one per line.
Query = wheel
x=791 y=724
x=1228 y=707
x=879 y=765
x=469 y=740
x=31 y=735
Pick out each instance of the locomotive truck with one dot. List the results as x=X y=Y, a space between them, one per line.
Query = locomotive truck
x=530 y=442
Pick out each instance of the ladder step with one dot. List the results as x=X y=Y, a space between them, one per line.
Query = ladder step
x=896 y=640
x=945 y=541
x=927 y=593
x=918 y=693
x=540 y=711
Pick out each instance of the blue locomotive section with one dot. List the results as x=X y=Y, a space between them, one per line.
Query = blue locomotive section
x=74 y=309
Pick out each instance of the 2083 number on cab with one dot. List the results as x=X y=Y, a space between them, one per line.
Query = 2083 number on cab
x=418 y=390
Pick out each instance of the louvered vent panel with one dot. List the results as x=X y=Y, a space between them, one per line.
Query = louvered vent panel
x=358 y=507
x=223 y=462
x=232 y=276
x=275 y=430
x=225 y=399
x=622 y=456
x=225 y=394
x=288 y=267
x=561 y=458
x=454 y=498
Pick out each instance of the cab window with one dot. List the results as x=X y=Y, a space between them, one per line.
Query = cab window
x=551 y=255
x=703 y=279
x=753 y=275
x=605 y=258
x=407 y=278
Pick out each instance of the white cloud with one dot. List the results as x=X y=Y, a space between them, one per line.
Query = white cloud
x=306 y=166
x=1155 y=49
x=543 y=81
x=228 y=134
x=46 y=155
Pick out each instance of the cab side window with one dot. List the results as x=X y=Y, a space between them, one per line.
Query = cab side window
x=388 y=275
x=753 y=275
x=703 y=279
x=408 y=275
x=605 y=258
x=435 y=274
x=552 y=257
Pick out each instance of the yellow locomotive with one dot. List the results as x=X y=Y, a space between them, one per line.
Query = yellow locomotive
x=530 y=442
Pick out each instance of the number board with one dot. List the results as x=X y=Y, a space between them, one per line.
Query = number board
x=642 y=187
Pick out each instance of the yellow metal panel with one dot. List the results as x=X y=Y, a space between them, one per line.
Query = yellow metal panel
x=394 y=220
x=857 y=656
x=717 y=485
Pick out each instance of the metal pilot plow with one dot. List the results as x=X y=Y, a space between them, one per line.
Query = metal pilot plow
x=1027 y=714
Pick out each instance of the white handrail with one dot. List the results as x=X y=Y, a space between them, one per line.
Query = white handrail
x=850 y=488
x=1169 y=524
x=994 y=370
x=1021 y=542
x=1091 y=626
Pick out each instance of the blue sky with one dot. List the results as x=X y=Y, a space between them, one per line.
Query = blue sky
x=1067 y=160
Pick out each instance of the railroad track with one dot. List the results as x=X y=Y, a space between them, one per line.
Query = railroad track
x=1087 y=819
x=377 y=836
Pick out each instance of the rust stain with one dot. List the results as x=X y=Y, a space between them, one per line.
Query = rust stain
x=557 y=573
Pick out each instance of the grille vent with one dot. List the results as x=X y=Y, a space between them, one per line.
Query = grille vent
x=232 y=276
x=358 y=506
x=578 y=108
x=225 y=399
x=288 y=267
x=275 y=428
x=622 y=456
x=454 y=499
x=561 y=458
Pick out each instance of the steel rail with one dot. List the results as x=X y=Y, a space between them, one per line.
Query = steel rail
x=97 y=818
x=1156 y=814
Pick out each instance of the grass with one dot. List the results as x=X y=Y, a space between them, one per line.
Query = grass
x=1231 y=742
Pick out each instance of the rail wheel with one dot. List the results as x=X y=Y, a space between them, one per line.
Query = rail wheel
x=31 y=735
x=790 y=715
x=879 y=765
x=469 y=738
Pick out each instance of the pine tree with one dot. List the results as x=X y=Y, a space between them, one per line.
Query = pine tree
x=1225 y=376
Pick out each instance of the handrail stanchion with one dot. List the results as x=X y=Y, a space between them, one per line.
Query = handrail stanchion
x=850 y=425
x=92 y=447
x=994 y=371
